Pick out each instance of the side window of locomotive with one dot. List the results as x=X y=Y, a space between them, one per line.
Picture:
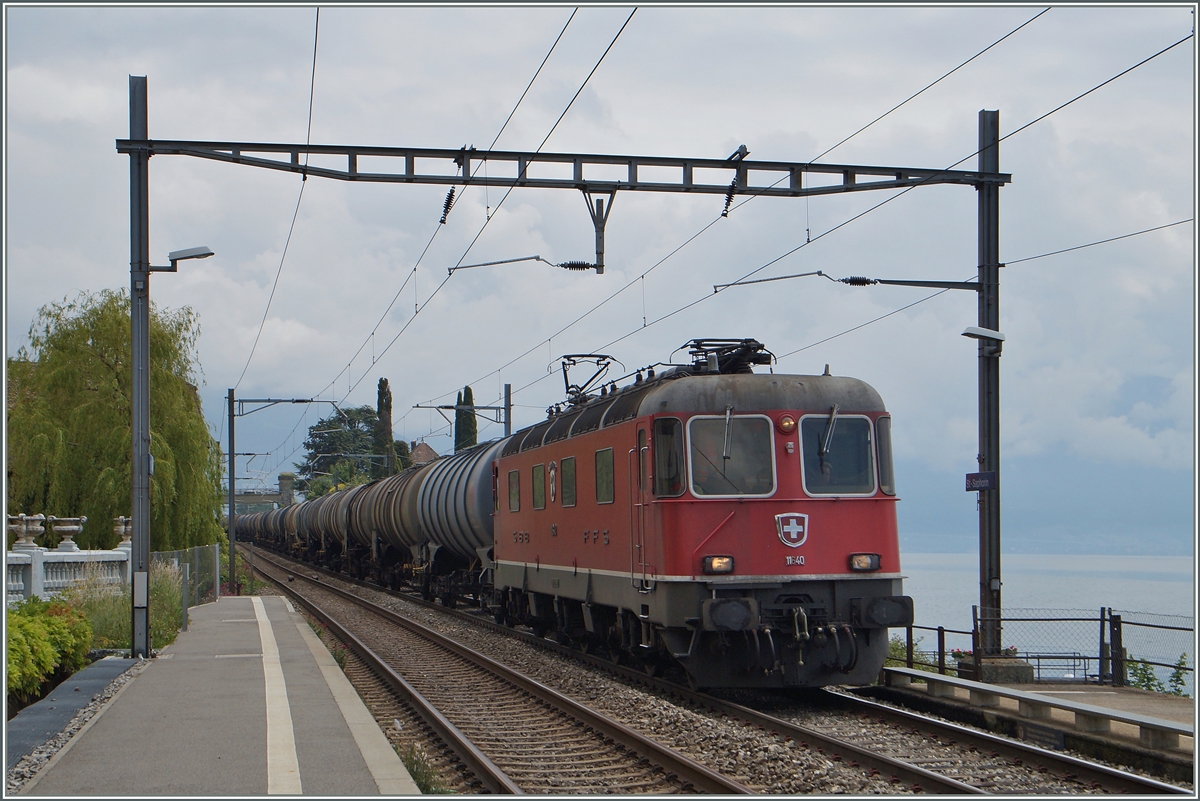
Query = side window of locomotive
x=731 y=456
x=837 y=453
x=566 y=472
x=604 y=476
x=539 y=486
x=514 y=490
x=883 y=438
x=668 y=457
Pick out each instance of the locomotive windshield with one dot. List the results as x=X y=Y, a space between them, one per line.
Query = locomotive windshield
x=837 y=455
x=731 y=455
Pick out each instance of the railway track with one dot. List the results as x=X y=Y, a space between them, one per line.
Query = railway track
x=515 y=735
x=913 y=751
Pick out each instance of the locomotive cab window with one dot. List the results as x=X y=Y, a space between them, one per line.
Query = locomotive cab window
x=514 y=490
x=883 y=440
x=668 y=457
x=731 y=455
x=539 y=486
x=837 y=454
x=604 y=476
x=567 y=473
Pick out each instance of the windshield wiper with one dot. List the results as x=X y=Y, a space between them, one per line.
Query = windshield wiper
x=829 y=432
x=725 y=448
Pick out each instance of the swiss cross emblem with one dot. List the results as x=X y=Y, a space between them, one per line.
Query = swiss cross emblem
x=793 y=528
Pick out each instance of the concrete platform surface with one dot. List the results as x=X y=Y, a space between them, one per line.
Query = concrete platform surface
x=248 y=701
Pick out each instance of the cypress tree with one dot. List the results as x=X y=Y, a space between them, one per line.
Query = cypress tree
x=470 y=422
x=384 y=445
x=459 y=423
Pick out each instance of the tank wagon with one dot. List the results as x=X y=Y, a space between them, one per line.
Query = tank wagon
x=740 y=526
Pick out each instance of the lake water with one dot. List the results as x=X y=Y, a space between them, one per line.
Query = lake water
x=945 y=586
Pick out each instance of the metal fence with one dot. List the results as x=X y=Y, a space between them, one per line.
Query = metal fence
x=1121 y=648
x=200 y=566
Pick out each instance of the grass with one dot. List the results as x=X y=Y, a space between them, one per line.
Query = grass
x=423 y=773
x=108 y=608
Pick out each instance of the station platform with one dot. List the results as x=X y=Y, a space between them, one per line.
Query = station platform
x=248 y=701
x=1120 y=699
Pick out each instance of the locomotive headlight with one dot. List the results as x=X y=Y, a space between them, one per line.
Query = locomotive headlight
x=864 y=561
x=787 y=424
x=718 y=564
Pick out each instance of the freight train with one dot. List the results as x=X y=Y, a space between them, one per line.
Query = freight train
x=738 y=525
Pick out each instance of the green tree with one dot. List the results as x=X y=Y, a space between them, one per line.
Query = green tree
x=346 y=473
x=384 y=444
x=69 y=413
x=346 y=435
x=403 y=455
x=466 y=427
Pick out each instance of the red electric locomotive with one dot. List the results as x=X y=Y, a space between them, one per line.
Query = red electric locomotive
x=741 y=525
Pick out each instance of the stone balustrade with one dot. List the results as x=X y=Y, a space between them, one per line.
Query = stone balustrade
x=34 y=570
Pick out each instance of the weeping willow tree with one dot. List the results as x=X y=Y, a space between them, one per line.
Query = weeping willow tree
x=69 y=411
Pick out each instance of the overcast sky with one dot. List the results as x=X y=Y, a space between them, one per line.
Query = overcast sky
x=1098 y=366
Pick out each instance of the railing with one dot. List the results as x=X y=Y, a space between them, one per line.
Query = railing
x=33 y=570
x=1130 y=648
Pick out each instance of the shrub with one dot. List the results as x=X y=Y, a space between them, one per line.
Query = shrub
x=1178 y=679
x=30 y=657
x=1142 y=676
x=42 y=638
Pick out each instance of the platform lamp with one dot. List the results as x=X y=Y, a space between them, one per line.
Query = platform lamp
x=143 y=462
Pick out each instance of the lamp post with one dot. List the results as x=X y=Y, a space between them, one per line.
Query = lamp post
x=139 y=312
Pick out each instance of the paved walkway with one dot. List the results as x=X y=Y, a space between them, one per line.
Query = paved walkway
x=248 y=701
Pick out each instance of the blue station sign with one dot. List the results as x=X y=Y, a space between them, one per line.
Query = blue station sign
x=981 y=481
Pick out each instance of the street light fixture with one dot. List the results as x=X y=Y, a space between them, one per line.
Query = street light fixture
x=143 y=461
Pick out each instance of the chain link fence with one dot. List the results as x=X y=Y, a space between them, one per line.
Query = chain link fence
x=1158 y=651
x=203 y=571
x=1122 y=648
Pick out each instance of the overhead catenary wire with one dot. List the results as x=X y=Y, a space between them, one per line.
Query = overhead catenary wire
x=505 y=196
x=729 y=200
x=437 y=228
x=1008 y=263
x=296 y=211
x=860 y=215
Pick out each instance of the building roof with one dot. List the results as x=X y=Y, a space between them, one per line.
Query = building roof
x=423 y=454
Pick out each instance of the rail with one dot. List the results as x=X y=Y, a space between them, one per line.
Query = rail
x=1153 y=733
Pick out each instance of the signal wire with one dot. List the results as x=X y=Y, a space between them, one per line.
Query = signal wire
x=296 y=212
